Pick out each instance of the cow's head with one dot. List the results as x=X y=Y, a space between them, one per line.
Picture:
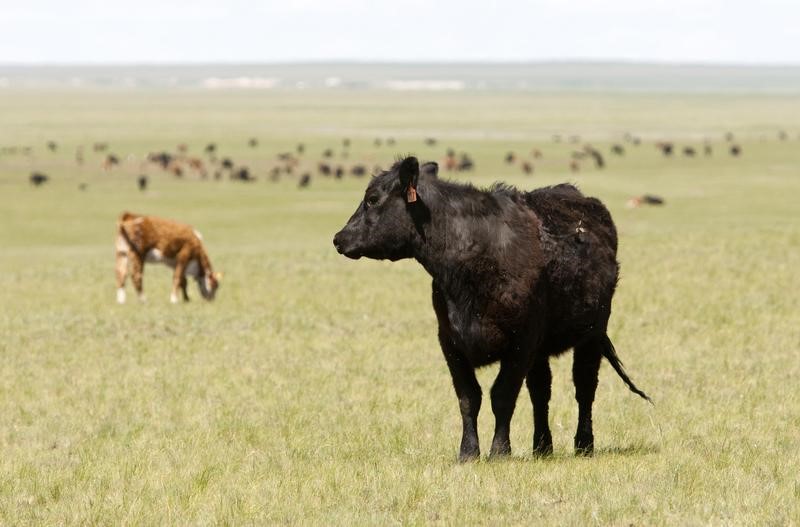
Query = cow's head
x=389 y=217
x=209 y=283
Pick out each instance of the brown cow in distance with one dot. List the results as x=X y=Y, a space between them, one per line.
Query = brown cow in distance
x=143 y=239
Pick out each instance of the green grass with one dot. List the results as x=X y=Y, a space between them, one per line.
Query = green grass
x=313 y=391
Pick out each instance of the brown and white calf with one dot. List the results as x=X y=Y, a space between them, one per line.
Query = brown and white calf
x=143 y=239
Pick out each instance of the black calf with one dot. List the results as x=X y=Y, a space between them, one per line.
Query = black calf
x=518 y=277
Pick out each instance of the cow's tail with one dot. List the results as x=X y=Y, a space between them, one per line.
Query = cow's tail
x=611 y=355
x=125 y=216
x=123 y=232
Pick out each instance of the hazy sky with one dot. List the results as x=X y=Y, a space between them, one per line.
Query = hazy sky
x=97 y=31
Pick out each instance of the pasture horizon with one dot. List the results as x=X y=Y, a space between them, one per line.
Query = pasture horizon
x=488 y=76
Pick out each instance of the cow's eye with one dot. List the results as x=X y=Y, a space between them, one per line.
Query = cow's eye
x=372 y=200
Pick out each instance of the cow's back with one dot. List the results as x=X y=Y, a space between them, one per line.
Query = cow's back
x=564 y=210
x=148 y=233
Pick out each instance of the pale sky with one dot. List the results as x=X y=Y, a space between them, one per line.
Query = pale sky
x=159 y=31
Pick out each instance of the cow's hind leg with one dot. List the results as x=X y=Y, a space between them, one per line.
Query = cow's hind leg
x=585 y=366
x=137 y=268
x=505 y=391
x=539 y=381
x=121 y=269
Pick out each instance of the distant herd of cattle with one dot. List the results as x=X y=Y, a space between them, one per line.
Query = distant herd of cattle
x=210 y=164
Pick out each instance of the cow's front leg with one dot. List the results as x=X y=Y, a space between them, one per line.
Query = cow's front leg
x=505 y=391
x=468 y=392
x=178 y=277
x=465 y=383
x=183 y=289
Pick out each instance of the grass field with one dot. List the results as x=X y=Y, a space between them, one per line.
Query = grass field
x=313 y=391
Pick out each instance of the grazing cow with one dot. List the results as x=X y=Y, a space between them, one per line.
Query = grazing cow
x=729 y=136
x=599 y=162
x=52 y=146
x=275 y=174
x=689 y=151
x=300 y=148
x=110 y=161
x=536 y=153
x=305 y=180
x=645 y=199
x=527 y=168
x=377 y=141
x=666 y=148
x=339 y=173
x=100 y=147
x=142 y=181
x=242 y=174
x=510 y=157
x=327 y=153
x=707 y=150
x=465 y=164
x=253 y=142
x=618 y=150
x=390 y=141
x=574 y=166
x=227 y=163
x=736 y=150
x=346 y=142
x=324 y=169
x=210 y=148
x=79 y=155
x=37 y=178
x=782 y=135
x=450 y=162
x=143 y=239
x=518 y=277
x=358 y=170
x=162 y=159
x=430 y=141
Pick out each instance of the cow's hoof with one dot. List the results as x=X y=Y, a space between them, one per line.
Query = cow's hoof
x=466 y=457
x=500 y=449
x=584 y=446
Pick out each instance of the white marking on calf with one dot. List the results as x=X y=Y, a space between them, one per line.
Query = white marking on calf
x=121 y=295
x=154 y=255
x=173 y=297
x=197 y=233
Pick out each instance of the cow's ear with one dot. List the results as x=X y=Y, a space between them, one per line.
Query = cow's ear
x=429 y=169
x=409 y=176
